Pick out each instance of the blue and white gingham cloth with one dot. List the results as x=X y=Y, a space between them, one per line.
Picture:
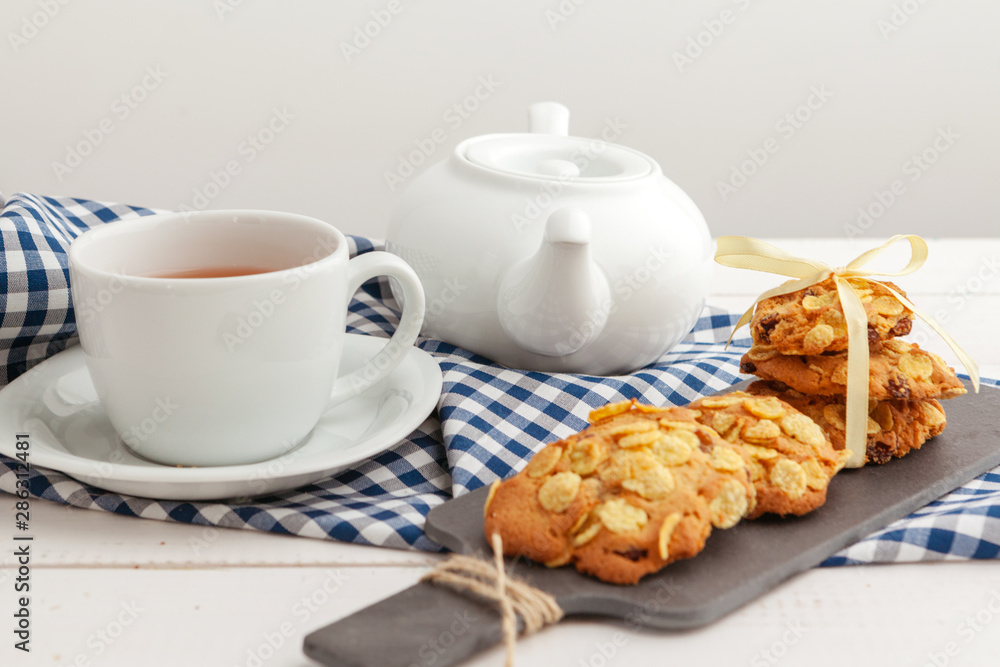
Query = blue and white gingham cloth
x=489 y=422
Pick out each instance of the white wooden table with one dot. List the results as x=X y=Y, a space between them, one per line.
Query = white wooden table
x=111 y=590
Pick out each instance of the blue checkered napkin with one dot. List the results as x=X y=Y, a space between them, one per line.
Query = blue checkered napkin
x=492 y=419
x=37 y=320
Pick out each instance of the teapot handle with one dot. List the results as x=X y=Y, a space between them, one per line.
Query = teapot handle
x=548 y=118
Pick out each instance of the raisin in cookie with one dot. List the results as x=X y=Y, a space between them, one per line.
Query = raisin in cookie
x=792 y=460
x=811 y=320
x=638 y=489
x=898 y=370
x=894 y=427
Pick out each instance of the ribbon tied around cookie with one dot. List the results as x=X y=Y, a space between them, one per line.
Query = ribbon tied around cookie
x=742 y=252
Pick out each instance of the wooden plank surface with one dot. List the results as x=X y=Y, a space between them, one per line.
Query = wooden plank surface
x=880 y=615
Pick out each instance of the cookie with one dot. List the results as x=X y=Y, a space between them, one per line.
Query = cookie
x=894 y=427
x=792 y=460
x=638 y=489
x=898 y=370
x=811 y=321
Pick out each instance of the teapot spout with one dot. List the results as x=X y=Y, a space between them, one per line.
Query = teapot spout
x=557 y=301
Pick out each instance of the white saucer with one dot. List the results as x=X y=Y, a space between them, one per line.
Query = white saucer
x=56 y=405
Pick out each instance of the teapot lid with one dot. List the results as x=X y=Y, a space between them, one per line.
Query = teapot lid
x=548 y=153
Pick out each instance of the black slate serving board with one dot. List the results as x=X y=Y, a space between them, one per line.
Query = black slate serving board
x=736 y=566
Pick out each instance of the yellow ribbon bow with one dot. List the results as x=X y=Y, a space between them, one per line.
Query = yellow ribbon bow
x=741 y=252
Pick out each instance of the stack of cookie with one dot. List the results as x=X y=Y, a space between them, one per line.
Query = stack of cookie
x=800 y=352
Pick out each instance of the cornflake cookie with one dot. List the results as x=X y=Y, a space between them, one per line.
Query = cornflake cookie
x=894 y=427
x=640 y=488
x=811 y=321
x=898 y=370
x=791 y=458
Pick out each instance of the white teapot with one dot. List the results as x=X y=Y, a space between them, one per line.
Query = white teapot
x=548 y=252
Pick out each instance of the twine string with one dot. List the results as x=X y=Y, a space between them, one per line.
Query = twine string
x=490 y=581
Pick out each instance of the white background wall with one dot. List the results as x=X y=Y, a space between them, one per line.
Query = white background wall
x=899 y=73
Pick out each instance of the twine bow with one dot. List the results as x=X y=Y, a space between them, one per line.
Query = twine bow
x=535 y=607
x=741 y=252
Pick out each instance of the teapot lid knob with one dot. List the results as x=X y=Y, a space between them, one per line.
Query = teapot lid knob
x=548 y=118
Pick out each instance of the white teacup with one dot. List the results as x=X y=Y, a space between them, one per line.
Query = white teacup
x=205 y=371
